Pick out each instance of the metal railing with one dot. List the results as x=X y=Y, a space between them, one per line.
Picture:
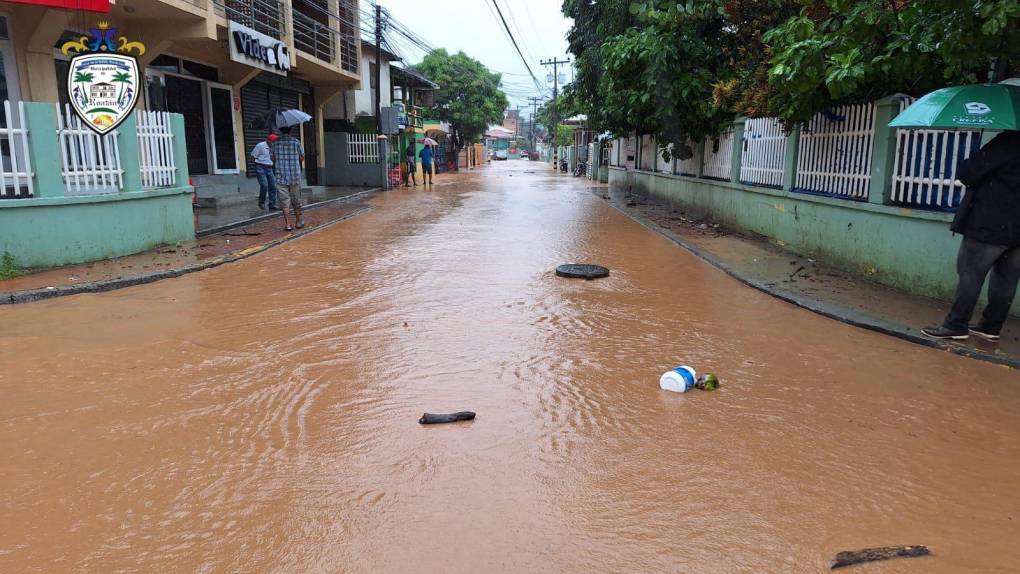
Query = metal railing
x=364 y=148
x=764 y=154
x=15 y=165
x=90 y=163
x=835 y=152
x=314 y=38
x=924 y=171
x=265 y=16
x=718 y=157
x=156 y=150
x=325 y=35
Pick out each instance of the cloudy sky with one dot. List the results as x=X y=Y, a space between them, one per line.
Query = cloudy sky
x=474 y=27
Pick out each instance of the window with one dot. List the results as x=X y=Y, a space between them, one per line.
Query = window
x=200 y=70
x=372 y=69
x=166 y=63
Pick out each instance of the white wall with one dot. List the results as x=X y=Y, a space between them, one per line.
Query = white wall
x=359 y=102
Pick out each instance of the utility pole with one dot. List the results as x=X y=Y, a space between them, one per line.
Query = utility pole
x=535 y=102
x=378 y=69
x=556 y=92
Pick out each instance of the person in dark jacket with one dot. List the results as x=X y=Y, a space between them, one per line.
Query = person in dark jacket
x=989 y=220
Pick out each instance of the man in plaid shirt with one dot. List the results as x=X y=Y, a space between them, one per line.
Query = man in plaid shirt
x=289 y=156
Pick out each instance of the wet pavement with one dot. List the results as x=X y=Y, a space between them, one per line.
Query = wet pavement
x=211 y=219
x=262 y=416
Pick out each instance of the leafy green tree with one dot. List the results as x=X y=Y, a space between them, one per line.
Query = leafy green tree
x=469 y=96
x=838 y=51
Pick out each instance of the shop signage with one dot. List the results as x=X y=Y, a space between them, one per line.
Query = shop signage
x=85 y=5
x=259 y=50
x=102 y=78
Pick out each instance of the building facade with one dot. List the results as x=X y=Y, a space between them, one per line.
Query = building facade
x=219 y=63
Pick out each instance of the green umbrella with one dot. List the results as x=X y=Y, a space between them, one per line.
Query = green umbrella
x=978 y=106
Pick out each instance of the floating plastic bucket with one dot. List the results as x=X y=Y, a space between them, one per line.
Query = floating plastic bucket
x=679 y=380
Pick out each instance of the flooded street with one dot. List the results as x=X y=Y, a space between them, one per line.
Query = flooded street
x=262 y=416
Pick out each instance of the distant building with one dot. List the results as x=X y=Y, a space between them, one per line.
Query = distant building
x=511 y=121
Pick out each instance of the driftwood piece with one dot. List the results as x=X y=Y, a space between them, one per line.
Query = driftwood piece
x=851 y=557
x=432 y=419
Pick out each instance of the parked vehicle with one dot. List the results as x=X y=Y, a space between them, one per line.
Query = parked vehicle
x=580 y=169
x=501 y=154
x=564 y=166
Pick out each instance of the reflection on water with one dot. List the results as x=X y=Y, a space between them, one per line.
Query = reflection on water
x=262 y=416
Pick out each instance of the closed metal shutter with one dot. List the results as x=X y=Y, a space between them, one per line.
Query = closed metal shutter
x=256 y=99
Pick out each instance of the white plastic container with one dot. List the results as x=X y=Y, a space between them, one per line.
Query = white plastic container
x=679 y=380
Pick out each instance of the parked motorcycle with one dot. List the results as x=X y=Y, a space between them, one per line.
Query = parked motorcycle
x=581 y=169
x=564 y=166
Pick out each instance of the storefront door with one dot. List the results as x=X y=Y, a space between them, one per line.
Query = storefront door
x=221 y=125
x=185 y=96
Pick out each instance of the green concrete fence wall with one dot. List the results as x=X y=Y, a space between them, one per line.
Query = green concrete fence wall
x=52 y=229
x=910 y=249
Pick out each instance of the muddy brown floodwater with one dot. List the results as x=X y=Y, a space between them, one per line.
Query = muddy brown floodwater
x=262 y=416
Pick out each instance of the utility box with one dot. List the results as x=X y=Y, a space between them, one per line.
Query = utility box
x=388 y=120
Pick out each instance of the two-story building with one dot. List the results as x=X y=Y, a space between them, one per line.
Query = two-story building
x=219 y=63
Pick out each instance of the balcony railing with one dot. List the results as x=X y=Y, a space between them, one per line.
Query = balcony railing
x=264 y=16
x=314 y=38
x=322 y=34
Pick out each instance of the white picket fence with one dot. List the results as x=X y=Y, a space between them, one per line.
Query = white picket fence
x=688 y=166
x=764 y=154
x=156 y=149
x=835 y=152
x=591 y=166
x=15 y=165
x=924 y=172
x=364 y=148
x=718 y=157
x=662 y=165
x=90 y=163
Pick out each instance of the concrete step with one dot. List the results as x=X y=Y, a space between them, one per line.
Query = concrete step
x=220 y=195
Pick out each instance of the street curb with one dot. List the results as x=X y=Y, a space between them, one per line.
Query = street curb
x=236 y=224
x=830 y=310
x=16 y=297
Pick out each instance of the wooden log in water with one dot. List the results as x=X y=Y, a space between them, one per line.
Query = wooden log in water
x=434 y=419
x=851 y=557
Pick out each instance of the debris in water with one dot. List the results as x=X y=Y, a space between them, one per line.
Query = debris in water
x=851 y=557
x=684 y=378
x=582 y=271
x=431 y=419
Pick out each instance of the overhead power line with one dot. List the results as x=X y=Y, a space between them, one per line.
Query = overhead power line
x=516 y=47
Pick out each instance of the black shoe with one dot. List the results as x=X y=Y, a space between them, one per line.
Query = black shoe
x=262 y=206
x=980 y=332
x=943 y=332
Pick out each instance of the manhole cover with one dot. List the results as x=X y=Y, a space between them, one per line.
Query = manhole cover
x=582 y=271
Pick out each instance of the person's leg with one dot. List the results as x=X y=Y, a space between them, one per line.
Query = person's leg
x=283 y=202
x=973 y=262
x=1001 y=290
x=271 y=178
x=295 y=201
x=263 y=185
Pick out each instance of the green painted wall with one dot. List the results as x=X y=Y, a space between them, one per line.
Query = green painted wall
x=47 y=232
x=912 y=250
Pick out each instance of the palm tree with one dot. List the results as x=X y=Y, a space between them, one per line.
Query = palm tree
x=121 y=78
x=81 y=78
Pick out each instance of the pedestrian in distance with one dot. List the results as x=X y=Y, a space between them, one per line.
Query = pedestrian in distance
x=411 y=167
x=989 y=220
x=426 y=164
x=262 y=155
x=289 y=157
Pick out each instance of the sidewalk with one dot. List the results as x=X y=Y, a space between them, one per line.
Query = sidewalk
x=801 y=280
x=243 y=239
x=244 y=207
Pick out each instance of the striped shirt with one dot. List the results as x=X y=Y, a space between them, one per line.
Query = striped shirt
x=288 y=154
